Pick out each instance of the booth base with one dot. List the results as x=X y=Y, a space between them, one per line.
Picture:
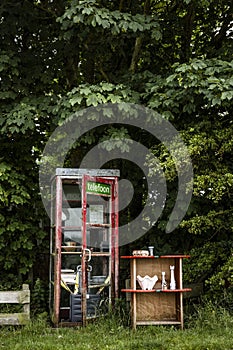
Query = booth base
x=93 y=301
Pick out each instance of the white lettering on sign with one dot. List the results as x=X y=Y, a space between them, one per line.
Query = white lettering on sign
x=98 y=188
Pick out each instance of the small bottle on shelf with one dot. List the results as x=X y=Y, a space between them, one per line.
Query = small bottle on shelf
x=163 y=282
x=151 y=250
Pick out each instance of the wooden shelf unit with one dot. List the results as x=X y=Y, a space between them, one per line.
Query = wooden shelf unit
x=156 y=306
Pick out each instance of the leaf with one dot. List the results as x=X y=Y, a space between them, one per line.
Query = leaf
x=98 y=19
x=92 y=100
x=227 y=95
x=107 y=86
x=78 y=18
x=87 y=10
x=156 y=34
x=216 y=101
x=115 y=98
x=85 y=90
x=93 y=22
x=76 y=100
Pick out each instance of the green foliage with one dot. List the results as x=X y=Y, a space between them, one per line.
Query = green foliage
x=18 y=231
x=16 y=194
x=116 y=138
x=39 y=298
x=91 y=14
x=58 y=57
x=86 y=95
x=193 y=96
x=192 y=88
x=209 y=317
x=208 y=260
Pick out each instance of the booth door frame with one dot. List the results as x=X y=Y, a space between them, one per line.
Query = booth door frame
x=113 y=197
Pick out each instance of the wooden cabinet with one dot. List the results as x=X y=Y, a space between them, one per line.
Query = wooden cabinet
x=156 y=306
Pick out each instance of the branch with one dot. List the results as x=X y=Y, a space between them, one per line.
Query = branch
x=187 y=33
x=121 y=5
x=136 y=53
x=138 y=42
x=103 y=73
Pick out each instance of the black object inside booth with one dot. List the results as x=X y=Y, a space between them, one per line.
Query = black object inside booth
x=93 y=301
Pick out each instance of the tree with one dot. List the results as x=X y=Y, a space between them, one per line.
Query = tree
x=58 y=57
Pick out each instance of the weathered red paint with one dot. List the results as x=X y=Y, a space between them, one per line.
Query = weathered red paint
x=57 y=260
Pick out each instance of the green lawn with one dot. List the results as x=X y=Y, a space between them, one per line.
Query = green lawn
x=209 y=329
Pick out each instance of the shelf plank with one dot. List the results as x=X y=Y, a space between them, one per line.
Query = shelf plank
x=183 y=290
x=100 y=254
x=175 y=256
x=70 y=253
x=138 y=290
x=167 y=322
x=155 y=256
x=140 y=257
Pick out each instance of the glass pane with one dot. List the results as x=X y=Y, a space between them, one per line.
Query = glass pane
x=98 y=223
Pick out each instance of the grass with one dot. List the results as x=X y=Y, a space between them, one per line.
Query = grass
x=210 y=329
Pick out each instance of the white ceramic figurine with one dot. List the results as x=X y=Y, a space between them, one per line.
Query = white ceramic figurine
x=172 y=281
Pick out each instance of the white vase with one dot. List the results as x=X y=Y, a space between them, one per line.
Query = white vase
x=151 y=250
x=172 y=280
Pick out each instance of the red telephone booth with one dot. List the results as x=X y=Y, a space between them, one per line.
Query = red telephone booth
x=83 y=244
